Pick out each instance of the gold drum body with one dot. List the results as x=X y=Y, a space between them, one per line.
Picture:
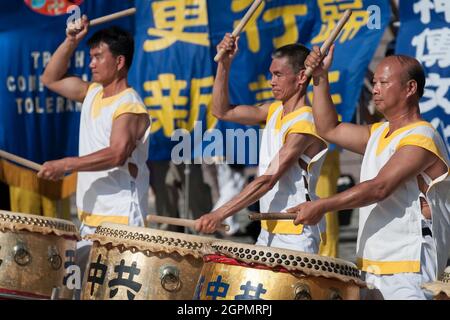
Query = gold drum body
x=35 y=253
x=249 y=272
x=131 y=263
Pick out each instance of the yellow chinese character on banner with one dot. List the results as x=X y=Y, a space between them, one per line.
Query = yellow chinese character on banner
x=288 y=14
x=199 y=99
x=165 y=95
x=333 y=77
x=331 y=11
x=251 y=30
x=262 y=89
x=169 y=107
x=171 y=18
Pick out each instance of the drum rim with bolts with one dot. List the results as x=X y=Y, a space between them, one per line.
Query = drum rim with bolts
x=170 y=258
x=331 y=268
x=15 y=221
x=33 y=261
x=149 y=241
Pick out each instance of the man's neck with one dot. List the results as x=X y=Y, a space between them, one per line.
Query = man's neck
x=403 y=118
x=294 y=103
x=115 y=87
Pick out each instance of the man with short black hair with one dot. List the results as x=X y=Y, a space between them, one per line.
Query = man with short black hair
x=113 y=178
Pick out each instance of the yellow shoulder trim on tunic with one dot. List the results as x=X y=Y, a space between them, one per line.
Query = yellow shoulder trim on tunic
x=136 y=108
x=295 y=113
x=384 y=141
x=423 y=142
x=302 y=126
x=272 y=108
x=281 y=227
x=93 y=85
x=99 y=102
x=305 y=127
x=375 y=126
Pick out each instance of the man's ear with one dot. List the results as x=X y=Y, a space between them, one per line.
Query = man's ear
x=411 y=88
x=302 y=78
x=120 y=62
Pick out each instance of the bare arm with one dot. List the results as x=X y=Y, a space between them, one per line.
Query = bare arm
x=349 y=136
x=391 y=176
x=55 y=77
x=289 y=154
x=249 y=115
x=126 y=130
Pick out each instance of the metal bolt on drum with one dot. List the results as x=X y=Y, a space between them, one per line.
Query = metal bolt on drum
x=21 y=255
x=302 y=292
x=170 y=278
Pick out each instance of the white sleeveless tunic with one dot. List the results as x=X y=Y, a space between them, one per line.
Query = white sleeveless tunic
x=111 y=195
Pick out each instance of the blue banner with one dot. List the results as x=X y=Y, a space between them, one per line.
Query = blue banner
x=35 y=123
x=274 y=24
x=173 y=68
x=425 y=34
x=354 y=49
x=173 y=72
x=176 y=44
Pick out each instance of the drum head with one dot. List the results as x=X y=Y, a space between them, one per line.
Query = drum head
x=148 y=240
x=14 y=221
x=291 y=260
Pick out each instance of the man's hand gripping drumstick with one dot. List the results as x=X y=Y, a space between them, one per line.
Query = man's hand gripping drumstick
x=237 y=31
x=180 y=222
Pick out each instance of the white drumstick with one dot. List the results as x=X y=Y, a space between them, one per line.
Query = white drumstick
x=180 y=222
x=240 y=26
x=327 y=44
x=113 y=16
x=24 y=162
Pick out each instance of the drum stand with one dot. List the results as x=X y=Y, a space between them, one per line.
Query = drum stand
x=55 y=294
x=187 y=174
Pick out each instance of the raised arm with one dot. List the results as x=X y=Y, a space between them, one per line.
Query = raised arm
x=294 y=147
x=244 y=114
x=127 y=129
x=391 y=176
x=55 y=77
x=349 y=136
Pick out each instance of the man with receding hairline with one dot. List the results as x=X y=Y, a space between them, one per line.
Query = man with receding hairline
x=404 y=199
x=291 y=152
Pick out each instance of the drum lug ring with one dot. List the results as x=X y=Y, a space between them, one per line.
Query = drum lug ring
x=302 y=292
x=335 y=294
x=54 y=258
x=170 y=278
x=21 y=255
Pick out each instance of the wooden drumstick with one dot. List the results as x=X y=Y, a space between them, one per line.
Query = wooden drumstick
x=240 y=26
x=327 y=44
x=272 y=216
x=24 y=162
x=180 y=222
x=113 y=16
